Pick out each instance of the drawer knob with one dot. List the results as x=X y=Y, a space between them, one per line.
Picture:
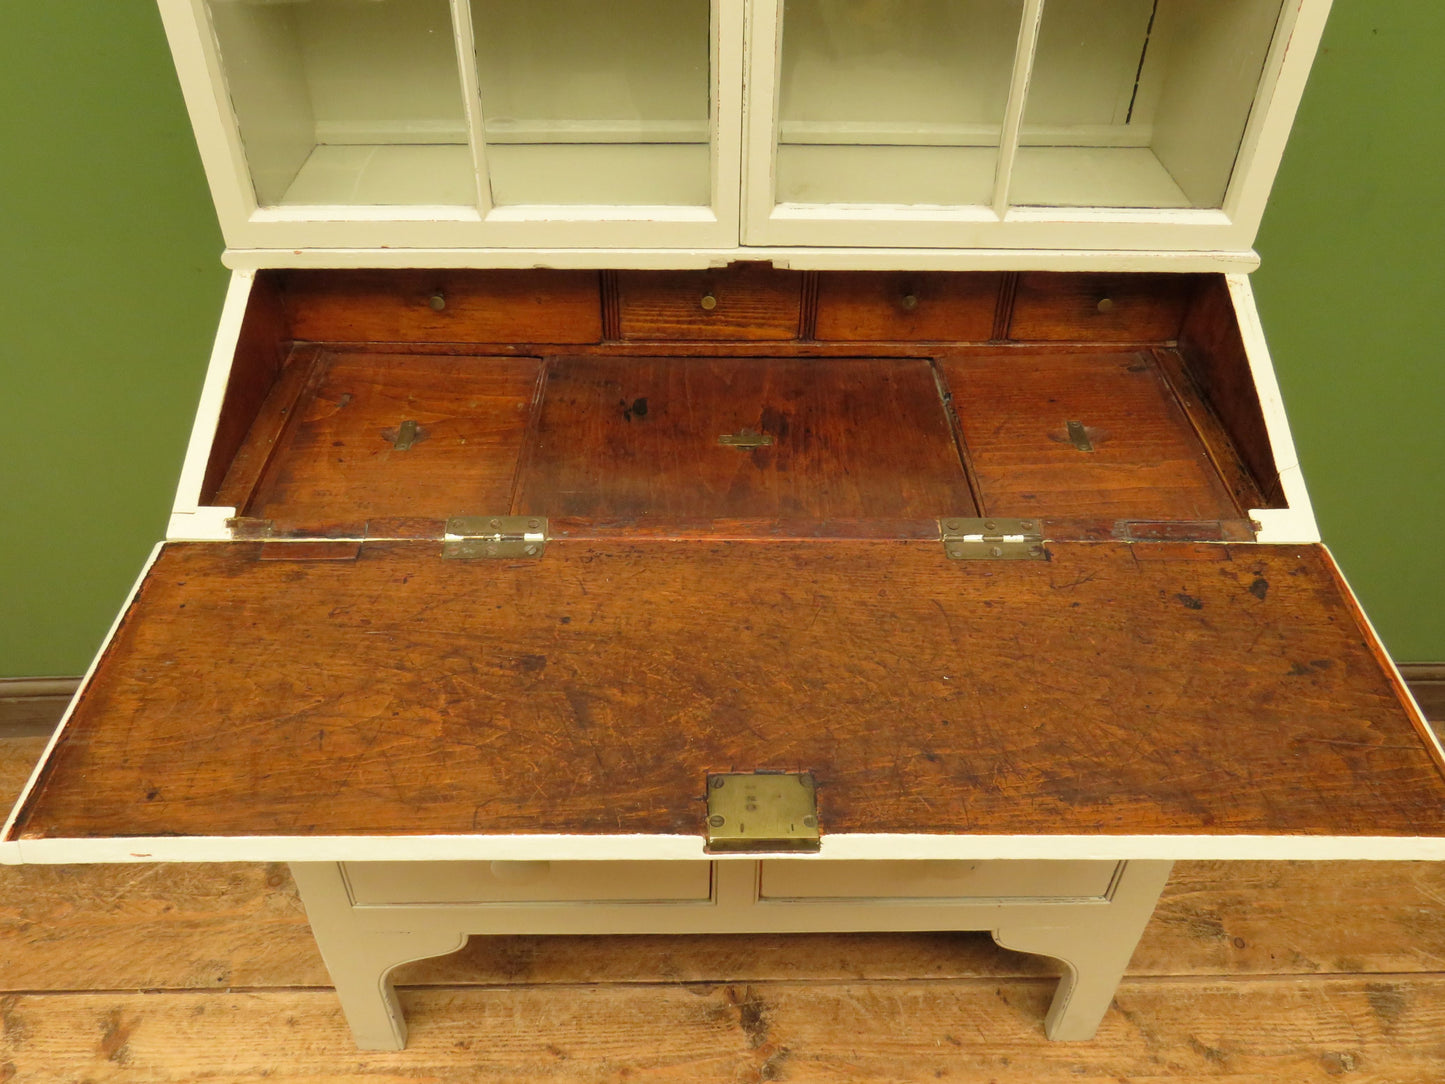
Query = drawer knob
x=437 y=301
x=1106 y=304
x=520 y=872
x=909 y=302
x=708 y=302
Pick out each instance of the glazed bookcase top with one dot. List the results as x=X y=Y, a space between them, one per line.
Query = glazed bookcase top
x=742 y=128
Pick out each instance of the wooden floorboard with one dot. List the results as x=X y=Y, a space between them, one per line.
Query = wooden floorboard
x=1249 y=972
x=1391 y=1032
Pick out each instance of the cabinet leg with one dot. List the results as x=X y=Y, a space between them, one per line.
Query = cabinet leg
x=360 y=960
x=1094 y=948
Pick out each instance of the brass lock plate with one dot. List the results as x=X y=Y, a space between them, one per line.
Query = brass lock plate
x=762 y=812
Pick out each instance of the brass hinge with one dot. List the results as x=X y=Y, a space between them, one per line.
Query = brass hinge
x=470 y=537
x=762 y=811
x=992 y=539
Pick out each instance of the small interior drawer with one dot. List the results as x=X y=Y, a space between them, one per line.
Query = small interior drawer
x=748 y=303
x=910 y=306
x=784 y=879
x=1056 y=307
x=527 y=882
x=444 y=306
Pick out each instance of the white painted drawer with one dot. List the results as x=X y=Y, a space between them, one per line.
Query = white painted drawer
x=784 y=879
x=527 y=882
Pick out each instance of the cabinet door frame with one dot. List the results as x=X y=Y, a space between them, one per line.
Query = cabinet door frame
x=1000 y=225
x=248 y=225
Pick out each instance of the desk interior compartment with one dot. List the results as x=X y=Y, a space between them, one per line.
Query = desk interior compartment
x=380 y=404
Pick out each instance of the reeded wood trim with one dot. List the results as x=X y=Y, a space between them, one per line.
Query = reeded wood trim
x=30 y=707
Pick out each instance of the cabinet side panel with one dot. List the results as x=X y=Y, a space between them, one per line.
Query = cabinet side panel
x=260 y=354
x=1216 y=357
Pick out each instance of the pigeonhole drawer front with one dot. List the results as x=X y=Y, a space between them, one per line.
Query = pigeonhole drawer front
x=390 y=883
x=782 y=879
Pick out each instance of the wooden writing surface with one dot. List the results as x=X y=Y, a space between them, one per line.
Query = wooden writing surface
x=592 y=691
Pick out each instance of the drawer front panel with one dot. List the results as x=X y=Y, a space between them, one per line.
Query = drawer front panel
x=527 y=882
x=908 y=306
x=458 y=306
x=783 y=879
x=736 y=303
x=1051 y=307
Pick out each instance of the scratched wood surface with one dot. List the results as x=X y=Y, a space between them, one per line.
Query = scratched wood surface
x=1382 y=1031
x=638 y=438
x=1112 y=689
x=1145 y=460
x=339 y=459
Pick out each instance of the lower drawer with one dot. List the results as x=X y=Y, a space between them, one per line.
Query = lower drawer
x=373 y=883
x=783 y=879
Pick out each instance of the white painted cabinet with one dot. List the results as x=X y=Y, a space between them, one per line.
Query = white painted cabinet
x=562 y=126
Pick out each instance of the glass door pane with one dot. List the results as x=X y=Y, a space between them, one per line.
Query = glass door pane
x=1140 y=103
x=893 y=101
x=594 y=103
x=347 y=101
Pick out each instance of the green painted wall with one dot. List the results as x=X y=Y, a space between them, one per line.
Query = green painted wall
x=111 y=285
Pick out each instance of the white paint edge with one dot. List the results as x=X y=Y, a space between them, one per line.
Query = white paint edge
x=800 y=258
x=1422 y=724
x=10 y=851
x=213 y=394
x=1294 y=525
x=862 y=846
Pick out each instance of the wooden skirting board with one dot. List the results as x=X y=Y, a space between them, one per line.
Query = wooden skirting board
x=31 y=707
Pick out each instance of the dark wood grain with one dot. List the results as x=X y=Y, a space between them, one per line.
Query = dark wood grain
x=1141 y=308
x=637 y=438
x=261 y=351
x=270 y=428
x=1147 y=462
x=753 y=302
x=592 y=690
x=337 y=463
x=1213 y=349
x=874 y=305
x=1232 y=471
x=490 y=306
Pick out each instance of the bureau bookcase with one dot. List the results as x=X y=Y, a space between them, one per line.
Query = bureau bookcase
x=738 y=467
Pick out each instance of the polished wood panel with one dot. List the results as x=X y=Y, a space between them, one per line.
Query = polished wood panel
x=592 y=690
x=1146 y=461
x=1214 y=351
x=1100 y=307
x=907 y=305
x=336 y=463
x=751 y=302
x=638 y=439
x=489 y=306
x=261 y=352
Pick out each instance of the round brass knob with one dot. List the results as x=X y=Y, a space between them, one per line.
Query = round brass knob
x=909 y=302
x=437 y=301
x=708 y=302
x=1106 y=304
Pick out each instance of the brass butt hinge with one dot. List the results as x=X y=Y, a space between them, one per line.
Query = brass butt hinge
x=992 y=539
x=475 y=537
x=762 y=812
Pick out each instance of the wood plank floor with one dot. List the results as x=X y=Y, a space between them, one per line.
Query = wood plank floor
x=1249 y=972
